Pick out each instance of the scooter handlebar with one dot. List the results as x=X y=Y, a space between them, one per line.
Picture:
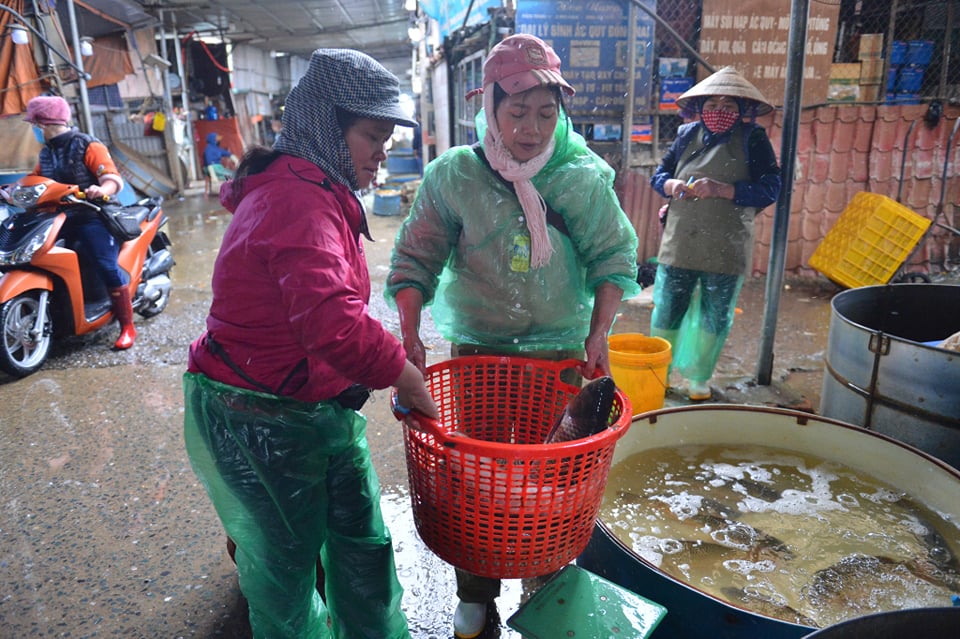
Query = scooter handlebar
x=82 y=195
x=81 y=198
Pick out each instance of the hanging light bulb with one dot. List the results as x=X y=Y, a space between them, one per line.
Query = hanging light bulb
x=18 y=34
x=86 y=46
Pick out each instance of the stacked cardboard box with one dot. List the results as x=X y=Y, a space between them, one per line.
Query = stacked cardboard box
x=870 y=54
x=844 y=82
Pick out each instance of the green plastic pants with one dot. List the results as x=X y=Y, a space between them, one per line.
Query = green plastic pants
x=694 y=311
x=291 y=480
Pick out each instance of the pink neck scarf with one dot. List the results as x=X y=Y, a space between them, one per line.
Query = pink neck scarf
x=520 y=173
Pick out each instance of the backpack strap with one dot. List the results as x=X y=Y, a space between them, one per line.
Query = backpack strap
x=553 y=218
x=216 y=349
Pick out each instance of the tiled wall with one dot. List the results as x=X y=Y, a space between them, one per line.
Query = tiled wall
x=842 y=150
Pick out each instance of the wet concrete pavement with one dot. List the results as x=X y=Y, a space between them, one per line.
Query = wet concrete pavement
x=104 y=529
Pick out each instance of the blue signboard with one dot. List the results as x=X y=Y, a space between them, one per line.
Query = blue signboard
x=591 y=38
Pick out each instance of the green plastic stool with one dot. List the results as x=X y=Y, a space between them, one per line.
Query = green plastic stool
x=579 y=604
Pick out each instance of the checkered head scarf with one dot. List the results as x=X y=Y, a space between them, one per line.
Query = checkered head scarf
x=337 y=78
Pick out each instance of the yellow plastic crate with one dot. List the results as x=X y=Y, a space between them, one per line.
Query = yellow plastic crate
x=869 y=241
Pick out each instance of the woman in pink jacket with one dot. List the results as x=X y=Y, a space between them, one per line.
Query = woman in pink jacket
x=275 y=383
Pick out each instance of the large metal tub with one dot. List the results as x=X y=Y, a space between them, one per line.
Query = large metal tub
x=918 y=622
x=694 y=614
x=880 y=374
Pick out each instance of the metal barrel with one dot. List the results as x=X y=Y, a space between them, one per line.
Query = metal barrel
x=883 y=371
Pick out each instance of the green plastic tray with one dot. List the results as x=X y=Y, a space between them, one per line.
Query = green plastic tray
x=577 y=603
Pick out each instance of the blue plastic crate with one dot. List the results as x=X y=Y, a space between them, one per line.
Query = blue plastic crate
x=898 y=52
x=892 y=78
x=919 y=52
x=909 y=80
x=903 y=98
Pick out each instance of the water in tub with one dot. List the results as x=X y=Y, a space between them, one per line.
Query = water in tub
x=782 y=533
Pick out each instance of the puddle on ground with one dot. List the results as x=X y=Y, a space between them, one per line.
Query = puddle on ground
x=429 y=585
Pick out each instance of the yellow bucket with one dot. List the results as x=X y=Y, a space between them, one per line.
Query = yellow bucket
x=640 y=366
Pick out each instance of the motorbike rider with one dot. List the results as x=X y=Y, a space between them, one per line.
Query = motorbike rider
x=70 y=156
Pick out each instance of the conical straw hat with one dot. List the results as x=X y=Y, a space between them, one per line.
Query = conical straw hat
x=727 y=81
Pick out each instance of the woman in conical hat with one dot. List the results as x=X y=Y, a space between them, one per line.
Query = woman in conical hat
x=729 y=82
x=720 y=172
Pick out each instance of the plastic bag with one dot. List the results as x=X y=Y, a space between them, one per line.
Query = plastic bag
x=159 y=121
x=697 y=349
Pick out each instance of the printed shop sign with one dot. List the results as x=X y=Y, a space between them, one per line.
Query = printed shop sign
x=753 y=35
x=591 y=39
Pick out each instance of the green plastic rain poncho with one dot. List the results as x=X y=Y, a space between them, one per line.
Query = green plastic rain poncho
x=266 y=462
x=290 y=474
x=460 y=242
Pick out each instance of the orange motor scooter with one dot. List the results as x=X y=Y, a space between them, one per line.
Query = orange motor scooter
x=47 y=290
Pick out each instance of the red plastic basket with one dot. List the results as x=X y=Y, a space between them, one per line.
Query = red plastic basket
x=488 y=496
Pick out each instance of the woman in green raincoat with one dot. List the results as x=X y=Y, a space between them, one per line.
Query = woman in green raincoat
x=519 y=242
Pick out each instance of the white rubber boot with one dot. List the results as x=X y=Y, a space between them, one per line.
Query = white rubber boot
x=469 y=619
x=699 y=391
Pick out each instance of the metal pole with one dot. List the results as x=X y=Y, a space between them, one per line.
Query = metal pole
x=191 y=160
x=82 y=75
x=50 y=65
x=165 y=81
x=173 y=156
x=792 y=96
x=891 y=30
x=627 y=133
x=947 y=46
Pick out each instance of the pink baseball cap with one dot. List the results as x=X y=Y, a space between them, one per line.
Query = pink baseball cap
x=521 y=62
x=47 y=109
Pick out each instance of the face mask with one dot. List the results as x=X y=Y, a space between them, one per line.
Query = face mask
x=719 y=121
x=38 y=133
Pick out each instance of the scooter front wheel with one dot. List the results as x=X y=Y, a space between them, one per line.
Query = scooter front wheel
x=26 y=342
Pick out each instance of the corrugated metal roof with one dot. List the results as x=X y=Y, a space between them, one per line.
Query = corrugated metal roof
x=298 y=27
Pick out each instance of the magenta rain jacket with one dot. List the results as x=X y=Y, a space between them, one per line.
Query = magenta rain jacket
x=291 y=285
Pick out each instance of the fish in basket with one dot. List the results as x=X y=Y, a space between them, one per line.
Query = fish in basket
x=488 y=494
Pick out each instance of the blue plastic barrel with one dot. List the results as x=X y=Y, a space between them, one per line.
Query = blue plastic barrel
x=386 y=203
